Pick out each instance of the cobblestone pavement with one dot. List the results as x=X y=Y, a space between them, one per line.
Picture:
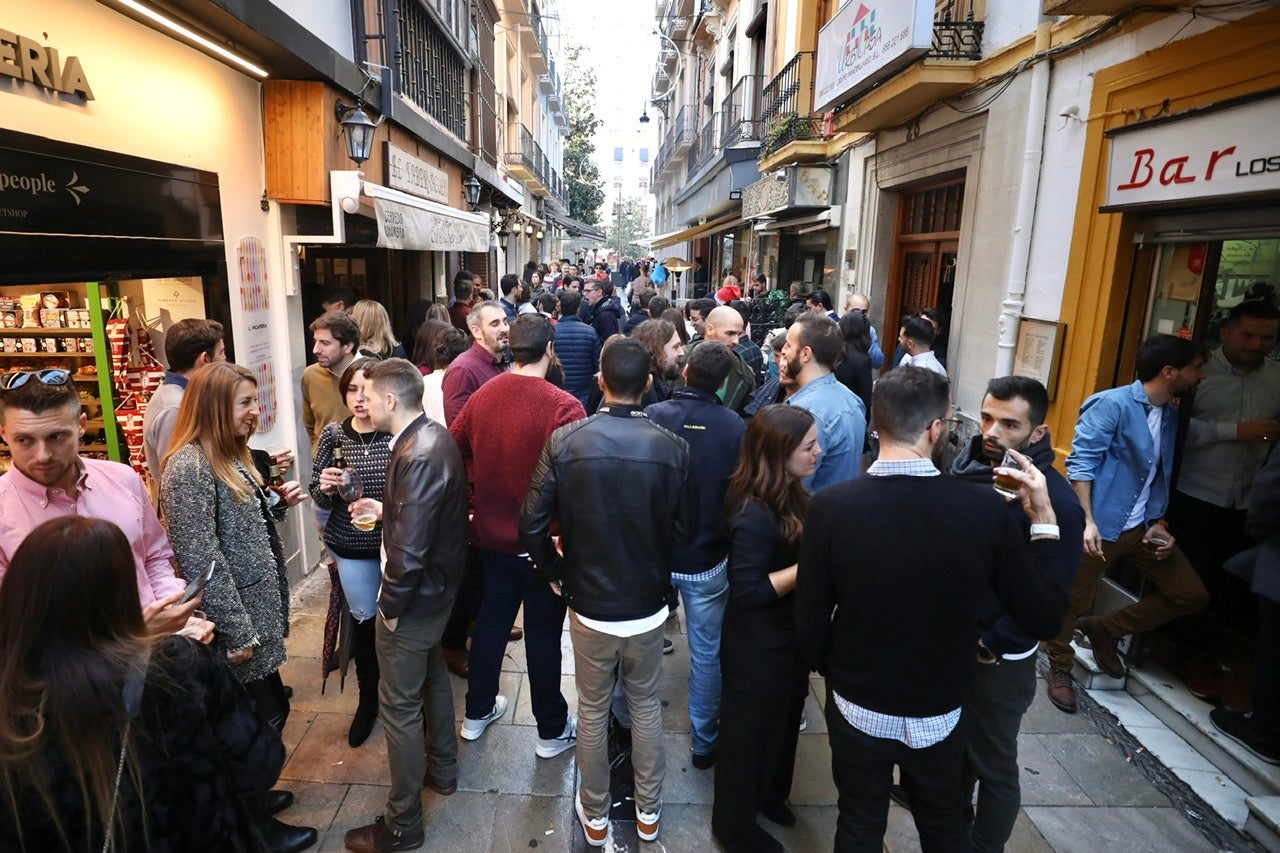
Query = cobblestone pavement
x=1079 y=793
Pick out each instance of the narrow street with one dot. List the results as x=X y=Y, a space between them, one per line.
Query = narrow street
x=1079 y=792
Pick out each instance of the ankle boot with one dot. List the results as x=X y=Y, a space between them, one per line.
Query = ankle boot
x=279 y=837
x=365 y=655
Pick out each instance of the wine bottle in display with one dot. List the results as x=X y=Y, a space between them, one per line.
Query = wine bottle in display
x=351 y=488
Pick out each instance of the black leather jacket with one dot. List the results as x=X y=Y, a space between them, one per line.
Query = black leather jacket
x=620 y=487
x=424 y=522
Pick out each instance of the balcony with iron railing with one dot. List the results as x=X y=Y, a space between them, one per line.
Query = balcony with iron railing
x=707 y=146
x=679 y=136
x=787 y=114
x=740 y=111
x=529 y=164
x=533 y=41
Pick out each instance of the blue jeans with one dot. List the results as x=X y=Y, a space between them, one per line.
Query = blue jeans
x=704 y=603
x=360 y=582
x=509 y=580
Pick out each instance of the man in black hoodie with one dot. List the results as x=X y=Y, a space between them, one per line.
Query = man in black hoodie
x=1013 y=412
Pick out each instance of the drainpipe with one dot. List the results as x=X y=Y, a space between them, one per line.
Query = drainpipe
x=1024 y=218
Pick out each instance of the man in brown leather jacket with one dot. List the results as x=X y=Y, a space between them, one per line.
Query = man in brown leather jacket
x=615 y=574
x=424 y=541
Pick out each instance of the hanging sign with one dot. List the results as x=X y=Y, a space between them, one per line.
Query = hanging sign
x=415 y=176
x=401 y=226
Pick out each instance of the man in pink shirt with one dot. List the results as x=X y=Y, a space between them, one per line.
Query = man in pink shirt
x=43 y=426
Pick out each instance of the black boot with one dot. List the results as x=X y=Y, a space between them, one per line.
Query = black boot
x=365 y=655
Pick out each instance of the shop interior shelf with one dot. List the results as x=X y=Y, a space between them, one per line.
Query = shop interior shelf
x=45 y=332
x=47 y=354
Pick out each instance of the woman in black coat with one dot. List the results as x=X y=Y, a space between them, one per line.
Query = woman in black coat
x=763 y=681
x=854 y=372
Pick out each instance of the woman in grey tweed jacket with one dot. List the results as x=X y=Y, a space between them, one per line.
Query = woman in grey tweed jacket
x=218 y=511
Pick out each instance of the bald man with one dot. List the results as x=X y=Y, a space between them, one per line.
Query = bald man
x=724 y=326
x=860 y=303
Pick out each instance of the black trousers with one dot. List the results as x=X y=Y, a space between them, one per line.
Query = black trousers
x=755 y=760
x=863 y=769
x=268 y=695
x=466 y=606
x=1208 y=536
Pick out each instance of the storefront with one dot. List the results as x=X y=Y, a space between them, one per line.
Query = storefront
x=795 y=232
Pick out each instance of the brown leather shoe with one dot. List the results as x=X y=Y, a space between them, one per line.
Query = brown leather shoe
x=517 y=633
x=458 y=661
x=442 y=786
x=377 y=837
x=1103 y=645
x=1061 y=690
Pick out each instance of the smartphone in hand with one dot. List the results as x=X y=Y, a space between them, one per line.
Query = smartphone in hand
x=196 y=585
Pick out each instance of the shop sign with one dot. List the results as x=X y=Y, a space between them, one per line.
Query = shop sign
x=403 y=227
x=866 y=42
x=49 y=187
x=24 y=58
x=416 y=176
x=803 y=186
x=1224 y=152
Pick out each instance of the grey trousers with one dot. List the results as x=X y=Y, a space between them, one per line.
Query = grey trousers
x=993 y=710
x=596 y=656
x=414 y=696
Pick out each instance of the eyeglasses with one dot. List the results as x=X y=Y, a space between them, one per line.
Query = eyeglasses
x=952 y=424
x=52 y=376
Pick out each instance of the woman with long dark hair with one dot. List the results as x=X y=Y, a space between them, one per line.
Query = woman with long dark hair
x=356 y=552
x=219 y=511
x=854 y=371
x=763 y=680
x=111 y=739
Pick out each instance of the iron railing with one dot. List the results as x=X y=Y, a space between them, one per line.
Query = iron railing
x=707 y=146
x=432 y=73
x=956 y=35
x=791 y=89
x=740 y=112
x=680 y=132
x=530 y=156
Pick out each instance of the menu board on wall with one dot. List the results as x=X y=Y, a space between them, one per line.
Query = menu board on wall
x=255 y=303
x=1038 y=351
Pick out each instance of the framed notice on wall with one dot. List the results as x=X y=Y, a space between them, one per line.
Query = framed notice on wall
x=1039 y=351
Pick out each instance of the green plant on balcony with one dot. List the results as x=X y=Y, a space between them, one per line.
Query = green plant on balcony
x=786 y=128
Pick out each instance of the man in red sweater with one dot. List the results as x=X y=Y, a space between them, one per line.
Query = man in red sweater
x=501 y=431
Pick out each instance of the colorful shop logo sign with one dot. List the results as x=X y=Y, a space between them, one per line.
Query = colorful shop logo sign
x=24 y=58
x=863 y=38
x=41 y=184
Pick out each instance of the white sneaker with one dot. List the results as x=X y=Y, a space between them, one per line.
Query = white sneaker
x=804 y=720
x=647 y=824
x=595 y=830
x=550 y=747
x=472 y=729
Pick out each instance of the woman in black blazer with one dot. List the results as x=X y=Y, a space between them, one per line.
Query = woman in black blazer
x=764 y=682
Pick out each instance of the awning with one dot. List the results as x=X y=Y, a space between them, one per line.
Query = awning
x=823 y=219
x=408 y=222
x=676 y=237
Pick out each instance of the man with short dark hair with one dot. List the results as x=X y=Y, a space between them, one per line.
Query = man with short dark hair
x=605 y=309
x=500 y=432
x=464 y=288
x=1004 y=683
x=510 y=285
x=697 y=310
x=809 y=358
x=878 y=591
x=489 y=329
x=337 y=337
x=1120 y=466
x=187 y=345
x=819 y=302
x=339 y=299
x=916 y=338
x=714 y=434
x=617 y=597
x=746 y=347
x=577 y=346
x=424 y=539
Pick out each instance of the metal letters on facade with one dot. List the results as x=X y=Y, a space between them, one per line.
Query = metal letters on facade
x=416 y=176
x=24 y=58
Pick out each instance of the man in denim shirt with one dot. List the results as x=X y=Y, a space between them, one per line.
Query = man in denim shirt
x=809 y=359
x=1120 y=466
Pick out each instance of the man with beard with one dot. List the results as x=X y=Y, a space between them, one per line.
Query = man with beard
x=1120 y=466
x=606 y=310
x=809 y=357
x=663 y=345
x=715 y=435
x=1004 y=684
x=867 y=616
x=489 y=328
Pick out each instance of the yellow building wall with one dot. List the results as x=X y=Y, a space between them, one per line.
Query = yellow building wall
x=1235 y=59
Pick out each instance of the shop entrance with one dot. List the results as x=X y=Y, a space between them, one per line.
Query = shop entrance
x=926 y=247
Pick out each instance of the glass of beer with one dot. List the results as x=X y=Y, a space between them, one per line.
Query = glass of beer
x=364 y=515
x=1005 y=485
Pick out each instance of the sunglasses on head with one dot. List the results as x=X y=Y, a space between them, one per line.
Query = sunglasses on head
x=52 y=376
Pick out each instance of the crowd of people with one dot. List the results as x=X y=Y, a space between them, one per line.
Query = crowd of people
x=554 y=451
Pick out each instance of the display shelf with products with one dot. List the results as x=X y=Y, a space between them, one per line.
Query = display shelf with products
x=64 y=325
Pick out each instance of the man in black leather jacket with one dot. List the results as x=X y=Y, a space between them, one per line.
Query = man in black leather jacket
x=619 y=485
x=424 y=535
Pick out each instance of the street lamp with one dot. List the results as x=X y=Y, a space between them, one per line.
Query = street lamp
x=359 y=130
x=471 y=185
